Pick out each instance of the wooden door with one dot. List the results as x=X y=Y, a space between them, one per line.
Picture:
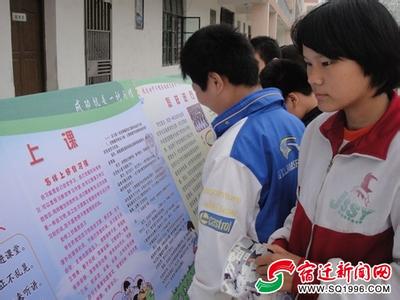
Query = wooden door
x=27 y=46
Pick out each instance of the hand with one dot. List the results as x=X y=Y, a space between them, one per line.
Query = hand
x=264 y=261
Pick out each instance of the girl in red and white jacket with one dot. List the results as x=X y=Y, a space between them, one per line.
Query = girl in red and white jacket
x=348 y=207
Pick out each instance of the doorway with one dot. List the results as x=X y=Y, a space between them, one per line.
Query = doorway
x=27 y=46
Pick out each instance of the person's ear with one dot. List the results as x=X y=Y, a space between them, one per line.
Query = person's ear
x=217 y=81
x=293 y=98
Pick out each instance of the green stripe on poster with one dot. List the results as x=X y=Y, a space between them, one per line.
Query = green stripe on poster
x=65 y=108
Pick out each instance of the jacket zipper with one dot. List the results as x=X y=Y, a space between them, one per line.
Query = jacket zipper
x=313 y=222
x=316 y=206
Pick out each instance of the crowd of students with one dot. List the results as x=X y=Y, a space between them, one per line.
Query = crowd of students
x=330 y=196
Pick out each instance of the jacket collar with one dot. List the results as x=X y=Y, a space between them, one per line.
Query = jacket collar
x=375 y=143
x=311 y=115
x=253 y=102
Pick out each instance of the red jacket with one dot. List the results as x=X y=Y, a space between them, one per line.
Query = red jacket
x=348 y=206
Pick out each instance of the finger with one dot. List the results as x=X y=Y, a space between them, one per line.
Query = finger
x=262 y=270
x=276 y=248
x=276 y=256
x=287 y=283
x=263 y=260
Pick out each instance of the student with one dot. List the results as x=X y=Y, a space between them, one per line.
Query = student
x=128 y=292
x=193 y=234
x=348 y=207
x=290 y=52
x=266 y=49
x=291 y=79
x=249 y=177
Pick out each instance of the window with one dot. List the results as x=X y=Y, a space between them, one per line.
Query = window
x=190 y=26
x=172 y=31
x=213 y=17
x=98 y=41
x=176 y=30
x=226 y=16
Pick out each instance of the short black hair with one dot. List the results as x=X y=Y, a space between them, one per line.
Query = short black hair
x=139 y=283
x=360 y=30
x=189 y=225
x=126 y=285
x=266 y=47
x=292 y=53
x=220 y=49
x=286 y=75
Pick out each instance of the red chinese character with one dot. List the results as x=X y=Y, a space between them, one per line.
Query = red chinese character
x=382 y=271
x=362 y=271
x=344 y=271
x=69 y=139
x=177 y=99
x=168 y=101
x=34 y=159
x=54 y=178
x=324 y=272
x=68 y=171
x=306 y=271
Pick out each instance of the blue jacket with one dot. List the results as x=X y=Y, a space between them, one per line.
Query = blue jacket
x=249 y=181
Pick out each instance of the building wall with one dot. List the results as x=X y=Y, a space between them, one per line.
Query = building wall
x=71 y=70
x=64 y=44
x=260 y=19
x=50 y=41
x=136 y=54
x=6 y=74
x=243 y=19
x=271 y=19
x=202 y=9
x=394 y=8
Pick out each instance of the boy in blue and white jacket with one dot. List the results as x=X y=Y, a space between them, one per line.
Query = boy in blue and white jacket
x=250 y=174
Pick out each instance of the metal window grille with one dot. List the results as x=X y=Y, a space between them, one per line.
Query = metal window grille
x=98 y=41
x=213 y=17
x=172 y=31
x=226 y=16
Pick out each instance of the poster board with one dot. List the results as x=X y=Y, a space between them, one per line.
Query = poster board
x=99 y=184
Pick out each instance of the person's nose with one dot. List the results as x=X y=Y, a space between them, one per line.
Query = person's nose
x=314 y=75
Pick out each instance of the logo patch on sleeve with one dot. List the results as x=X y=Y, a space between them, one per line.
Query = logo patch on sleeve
x=287 y=145
x=216 y=222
